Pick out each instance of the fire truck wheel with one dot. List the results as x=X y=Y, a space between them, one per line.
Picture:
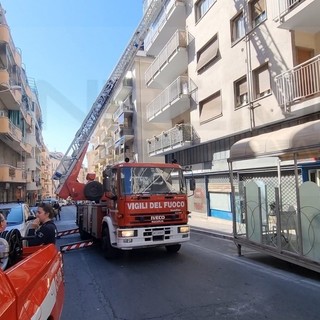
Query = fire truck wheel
x=173 y=248
x=93 y=191
x=109 y=251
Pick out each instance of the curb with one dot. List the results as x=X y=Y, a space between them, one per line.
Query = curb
x=212 y=233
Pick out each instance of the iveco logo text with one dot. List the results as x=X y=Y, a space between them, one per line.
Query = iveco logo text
x=157 y=218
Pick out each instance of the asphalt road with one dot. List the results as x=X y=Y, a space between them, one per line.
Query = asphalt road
x=205 y=280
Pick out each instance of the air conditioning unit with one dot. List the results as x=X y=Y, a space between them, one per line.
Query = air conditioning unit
x=3 y=113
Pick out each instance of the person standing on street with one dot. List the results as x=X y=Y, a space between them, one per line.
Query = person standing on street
x=57 y=210
x=43 y=229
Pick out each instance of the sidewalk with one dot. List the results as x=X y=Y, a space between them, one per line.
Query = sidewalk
x=217 y=227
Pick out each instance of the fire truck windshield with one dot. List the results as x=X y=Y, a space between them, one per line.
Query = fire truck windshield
x=152 y=180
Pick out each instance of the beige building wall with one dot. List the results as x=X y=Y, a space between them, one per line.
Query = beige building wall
x=264 y=44
x=141 y=96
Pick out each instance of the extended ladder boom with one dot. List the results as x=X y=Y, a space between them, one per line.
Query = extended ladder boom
x=80 y=143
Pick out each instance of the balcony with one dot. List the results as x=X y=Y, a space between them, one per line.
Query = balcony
x=178 y=138
x=12 y=136
x=27 y=117
x=104 y=137
x=110 y=143
x=123 y=89
x=5 y=37
x=33 y=165
x=171 y=102
x=12 y=174
x=171 y=62
x=299 y=15
x=123 y=109
x=9 y=130
x=26 y=147
x=17 y=57
x=10 y=95
x=172 y=17
x=300 y=83
x=119 y=158
x=103 y=153
x=99 y=146
x=106 y=119
x=126 y=132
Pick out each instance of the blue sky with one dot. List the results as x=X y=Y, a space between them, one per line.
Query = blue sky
x=70 y=48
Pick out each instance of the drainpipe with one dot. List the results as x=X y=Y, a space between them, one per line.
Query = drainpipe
x=249 y=80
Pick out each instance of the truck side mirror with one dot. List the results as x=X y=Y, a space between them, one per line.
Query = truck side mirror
x=192 y=184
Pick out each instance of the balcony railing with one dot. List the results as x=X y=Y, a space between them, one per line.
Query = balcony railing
x=110 y=143
x=104 y=136
x=124 y=88
x=27 y=147
x=12 y=174
x=122 y=108
x=179 y=137
x=162 y=19
x=284 y=6
x=177 y=88
x=7 y=127
x=298 y=83
x=5 y=36
x=178 y=40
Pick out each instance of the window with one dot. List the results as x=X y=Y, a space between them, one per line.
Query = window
x=261 y=80
x=258 y=11
x=241 y=92
x=314 y=176
x=202 y=6
x=237 y=27
x=210 y=108
x=207 y=53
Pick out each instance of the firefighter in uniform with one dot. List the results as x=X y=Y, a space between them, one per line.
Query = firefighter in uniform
x=43 y=229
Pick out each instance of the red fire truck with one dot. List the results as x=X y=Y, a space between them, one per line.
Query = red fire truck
x=144 y=204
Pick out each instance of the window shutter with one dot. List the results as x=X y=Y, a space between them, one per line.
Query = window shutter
x=242 y=85
x=211 y=107
x=263 y=79
x=208 y=54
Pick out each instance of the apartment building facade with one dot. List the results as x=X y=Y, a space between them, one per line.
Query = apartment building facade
x=20 y=125
x=122 y=130
x=251 y=68
x=220 y=71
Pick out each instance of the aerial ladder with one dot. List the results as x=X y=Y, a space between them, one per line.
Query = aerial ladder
x=70 y=164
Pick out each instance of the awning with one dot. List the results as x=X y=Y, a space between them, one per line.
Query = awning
x=302 y=140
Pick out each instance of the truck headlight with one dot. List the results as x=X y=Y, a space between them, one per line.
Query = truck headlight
x=184 y=229
x=127 y=233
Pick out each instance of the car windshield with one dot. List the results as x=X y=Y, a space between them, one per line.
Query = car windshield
x=152 y=180
x=13 y=216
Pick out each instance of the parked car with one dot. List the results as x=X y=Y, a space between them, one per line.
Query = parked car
x=49 y=200
x=34 y=210
x=18 y=216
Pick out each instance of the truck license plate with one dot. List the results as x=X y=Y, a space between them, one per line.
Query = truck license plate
x=158 y=232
